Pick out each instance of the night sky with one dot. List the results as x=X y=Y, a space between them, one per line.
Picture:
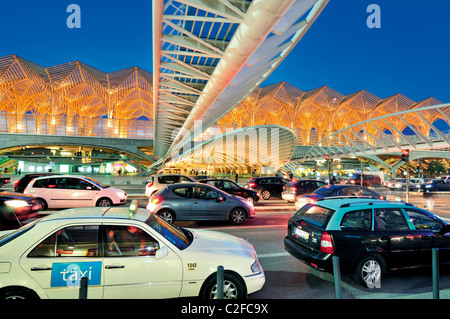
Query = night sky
x=409 y=54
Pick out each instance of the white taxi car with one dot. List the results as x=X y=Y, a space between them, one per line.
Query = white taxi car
x=124 y=254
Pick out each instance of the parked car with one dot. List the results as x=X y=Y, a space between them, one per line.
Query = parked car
x=336 y=191
x=4 y=180
x=21 y=184
x=69 y=191
x=369 y=180
x=198 y=201
x=200 y=177
x=370 y=237
x=47 y=258
x=157 y=182
x=267 y=186
x=435 y=185
x=16 y=208
x=232 y=188
x=297 y=187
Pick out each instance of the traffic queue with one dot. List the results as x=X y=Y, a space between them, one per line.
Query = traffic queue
x=131 y=252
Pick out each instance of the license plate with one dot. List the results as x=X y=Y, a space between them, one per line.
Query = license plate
x=301 y=233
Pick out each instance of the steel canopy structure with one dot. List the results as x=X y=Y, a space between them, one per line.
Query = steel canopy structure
x=263 y=146
x=209 y=55
x=413 y=129
x=76 y=91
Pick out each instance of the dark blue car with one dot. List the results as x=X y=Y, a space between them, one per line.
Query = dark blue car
x=435 y=185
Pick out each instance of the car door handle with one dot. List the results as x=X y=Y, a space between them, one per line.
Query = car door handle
x=40 y=268
x=114 y=266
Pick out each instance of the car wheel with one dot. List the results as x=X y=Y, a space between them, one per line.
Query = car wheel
x=265 y=194
x=17 y=293
x=369 y=270
x=104 y=202
x=42 y=202
x=237 y=216
x=233 y=288
x=167 y=215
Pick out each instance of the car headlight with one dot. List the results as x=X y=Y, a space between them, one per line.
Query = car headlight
x=121 y=194
x=248 y=203
x=428 y=186
x=256 y=267
x=16 y=203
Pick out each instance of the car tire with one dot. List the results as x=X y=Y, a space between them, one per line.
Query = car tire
x=370 y=270
x=104 y=202
x=17 y=293
x=233 y=287
x=167 y=215
x=237 y=216
x=43 y=203
x=265 y=194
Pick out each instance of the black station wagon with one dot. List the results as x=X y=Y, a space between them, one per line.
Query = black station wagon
x=369 y=236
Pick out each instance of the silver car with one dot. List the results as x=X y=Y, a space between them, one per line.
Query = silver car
x=158 y=181
x=195 y=201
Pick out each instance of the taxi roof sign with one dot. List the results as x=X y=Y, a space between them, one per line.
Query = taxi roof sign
x=133 y=208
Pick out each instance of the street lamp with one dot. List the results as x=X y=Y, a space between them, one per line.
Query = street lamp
x=405 y=158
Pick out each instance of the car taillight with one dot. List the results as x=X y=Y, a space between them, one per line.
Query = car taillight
x=155 y=200
x=293 y=189
x=326 y=244
x=16 y=183
x=149 y=184
x=252 y=184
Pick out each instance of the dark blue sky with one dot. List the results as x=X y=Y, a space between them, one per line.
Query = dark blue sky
x=408 y=55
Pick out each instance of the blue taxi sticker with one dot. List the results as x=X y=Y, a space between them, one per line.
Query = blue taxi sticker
x=70 y=274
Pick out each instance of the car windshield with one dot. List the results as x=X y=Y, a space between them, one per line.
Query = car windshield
x=178 y=236
x=16 y=233
x=93 y=181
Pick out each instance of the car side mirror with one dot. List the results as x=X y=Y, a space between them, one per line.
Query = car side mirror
x=220 y=198
x=161 y=253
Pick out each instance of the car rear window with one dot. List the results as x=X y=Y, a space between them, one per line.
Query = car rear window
x=40 y=183
x=324 y=190
x=317 y=215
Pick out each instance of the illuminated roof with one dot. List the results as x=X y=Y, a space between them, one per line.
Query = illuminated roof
x=74 y=89
x=316 y=113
